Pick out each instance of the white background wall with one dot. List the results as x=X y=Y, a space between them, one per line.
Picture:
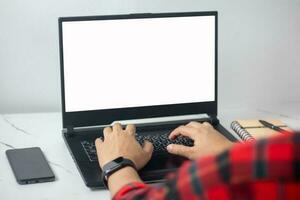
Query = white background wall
x=259 y=48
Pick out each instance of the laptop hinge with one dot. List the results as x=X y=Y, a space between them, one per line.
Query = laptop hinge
x=214 y=120
x=69 y=131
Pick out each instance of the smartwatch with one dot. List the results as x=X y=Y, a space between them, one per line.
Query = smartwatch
x=113 y=166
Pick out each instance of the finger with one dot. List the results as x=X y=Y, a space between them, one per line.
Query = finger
x=106 y=131
x=117 y=127
x=180 y=150
x=194 y=124
x=207 y=124
x=183 y=130
x=130 y=128
x=98 y=143
x=148 y=147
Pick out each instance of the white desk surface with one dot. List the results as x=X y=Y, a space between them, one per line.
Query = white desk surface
x=44 y=130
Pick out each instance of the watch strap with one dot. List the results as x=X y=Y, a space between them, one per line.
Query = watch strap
x=113 y=166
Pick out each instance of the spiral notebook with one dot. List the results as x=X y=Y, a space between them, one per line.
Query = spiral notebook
x=249 y=130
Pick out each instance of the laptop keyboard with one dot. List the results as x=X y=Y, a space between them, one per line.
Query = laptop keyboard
x=160 y=142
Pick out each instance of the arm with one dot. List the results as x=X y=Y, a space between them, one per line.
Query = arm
x=245 y=169
x=118 y=142
x=240 y=172
x=215 y=171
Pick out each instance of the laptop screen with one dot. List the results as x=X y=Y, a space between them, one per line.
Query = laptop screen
x=125 y=63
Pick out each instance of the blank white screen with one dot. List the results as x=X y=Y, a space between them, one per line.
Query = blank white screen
x=138 y=62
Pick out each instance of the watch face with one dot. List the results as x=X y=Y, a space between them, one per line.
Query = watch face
x=118 y=160
x=113 y=165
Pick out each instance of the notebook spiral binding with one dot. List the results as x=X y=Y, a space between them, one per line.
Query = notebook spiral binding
x=245 y=135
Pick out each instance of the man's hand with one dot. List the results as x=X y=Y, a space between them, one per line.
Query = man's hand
x=206 y=140
x=118 y=142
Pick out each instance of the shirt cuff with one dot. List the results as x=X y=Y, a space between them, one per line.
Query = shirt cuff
x=128 y=188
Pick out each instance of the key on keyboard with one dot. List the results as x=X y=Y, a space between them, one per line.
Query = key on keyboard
x=160 y=142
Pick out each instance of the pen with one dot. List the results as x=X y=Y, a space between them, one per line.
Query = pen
x=271 y=126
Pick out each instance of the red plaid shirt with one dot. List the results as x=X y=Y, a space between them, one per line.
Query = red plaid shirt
x=266 y=169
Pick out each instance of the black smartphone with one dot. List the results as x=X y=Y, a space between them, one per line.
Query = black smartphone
x=29 y=165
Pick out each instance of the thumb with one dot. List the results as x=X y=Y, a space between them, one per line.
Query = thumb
x=180 y=150
x=98 y=142
x=148 y=147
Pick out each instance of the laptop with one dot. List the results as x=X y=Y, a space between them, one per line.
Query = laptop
x=157 y=71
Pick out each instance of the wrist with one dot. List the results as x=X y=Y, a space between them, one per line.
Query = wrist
x=227 y=145
x=126 y=174
x=121 y=178
x=114 y=166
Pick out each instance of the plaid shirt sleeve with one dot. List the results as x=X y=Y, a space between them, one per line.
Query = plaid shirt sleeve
x=266 y=169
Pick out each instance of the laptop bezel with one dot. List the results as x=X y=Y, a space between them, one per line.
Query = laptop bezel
x=107 y=116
